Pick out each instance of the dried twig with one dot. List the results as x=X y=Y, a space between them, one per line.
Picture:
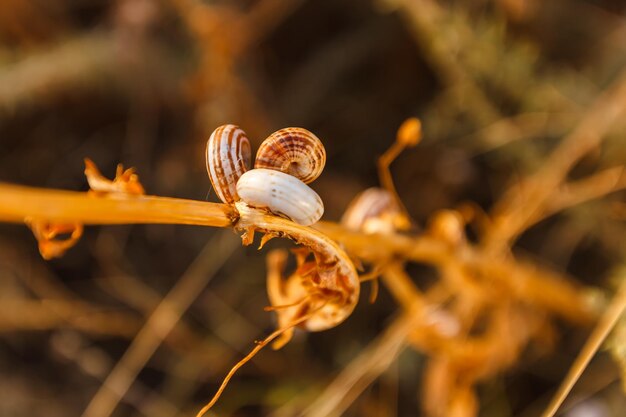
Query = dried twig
x=161 y=322
x=364 y=369
x=599 y=334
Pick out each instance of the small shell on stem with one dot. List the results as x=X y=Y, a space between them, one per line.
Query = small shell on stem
x=375 y=210
x=228 y=157
x=281 y=194
x=294 y=151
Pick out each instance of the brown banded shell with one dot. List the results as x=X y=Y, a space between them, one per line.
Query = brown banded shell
x=228 y=157
x=294 y=151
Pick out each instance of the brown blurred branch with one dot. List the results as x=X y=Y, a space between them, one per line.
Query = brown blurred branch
x=22 y=203
x=25 y=315
x=65 y=65
x=528 y=281
x=607 y=321
x=580 y=191
x=162 y=321
x=364 y=369
x=525 y=201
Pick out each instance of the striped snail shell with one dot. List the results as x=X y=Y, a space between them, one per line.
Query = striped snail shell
x=294 y=151
x=282 y=194
x=227 y=158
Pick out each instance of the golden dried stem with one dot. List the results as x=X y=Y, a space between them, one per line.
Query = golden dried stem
x=259 y=345
x=401 y=287
x=577 y=192
x=525 y=280
x=58 y=67
x=409 y=134
x=25 y=314
x=334 y=268
x=161 y=322
x=19 y=204
x=364 y=369
x=599 y=334
x=523 y=203
x=331 y=253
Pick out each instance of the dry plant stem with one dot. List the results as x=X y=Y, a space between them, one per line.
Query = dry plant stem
x=50 y=314
x=25 y=204
x=401 y=287
x=525 y=280
x=524 y=202
x=56 y=306
x=409 y=134
x=385 y=160
x=59 y=67
x=364 y=369
x=599 y=334
x=333 y=266
x=524 y=126
x=160 y=324
x=19 y=204
x=81 y=351
x=145 y=299
x=424 y=336
x=384 y=175
x=260 y=345
x=593 y=187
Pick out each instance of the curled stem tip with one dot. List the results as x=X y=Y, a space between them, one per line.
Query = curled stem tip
x=259 y=345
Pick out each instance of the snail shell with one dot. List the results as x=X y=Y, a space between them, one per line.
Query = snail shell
x=294 y=151
x=282 y=194
x=228 y=156
x=375 y=210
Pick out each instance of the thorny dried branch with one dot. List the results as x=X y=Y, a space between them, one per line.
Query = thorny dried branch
x=438 y=332
x=483 y=290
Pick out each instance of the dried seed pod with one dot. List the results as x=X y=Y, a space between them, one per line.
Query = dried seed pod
x=294 y=151
x=228 y=156
x=328 y=297
x=282 y=194
x=375 y=210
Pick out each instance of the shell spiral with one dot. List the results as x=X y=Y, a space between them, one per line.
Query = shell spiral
x=228 y=157
x=294 y=151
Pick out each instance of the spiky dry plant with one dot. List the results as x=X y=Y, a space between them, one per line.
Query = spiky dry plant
x=472 y=324
x=497 y=93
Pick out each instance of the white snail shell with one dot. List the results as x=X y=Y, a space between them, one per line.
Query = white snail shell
x=282 y=194
x=295 y=151
x=375 y=210
x=227 y=158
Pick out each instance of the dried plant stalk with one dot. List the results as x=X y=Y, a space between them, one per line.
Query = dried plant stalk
x=601 y=331
x=20 y=204
x=529 y=281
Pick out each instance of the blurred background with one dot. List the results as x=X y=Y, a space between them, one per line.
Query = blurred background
x=144 y=82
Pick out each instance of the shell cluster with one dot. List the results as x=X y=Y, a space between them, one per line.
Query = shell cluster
x=285 y=163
